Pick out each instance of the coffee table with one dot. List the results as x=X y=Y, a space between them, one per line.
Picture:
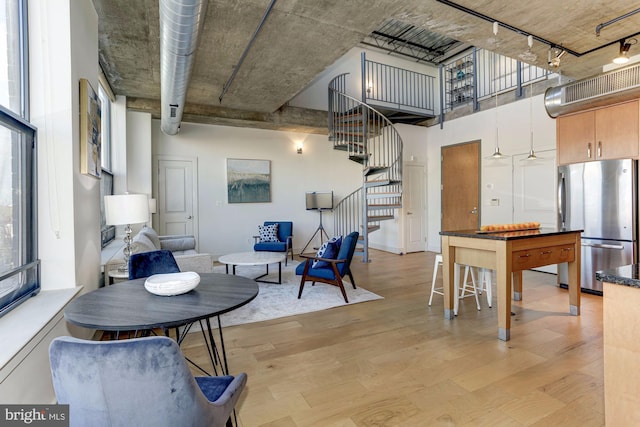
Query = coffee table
x=254 y=258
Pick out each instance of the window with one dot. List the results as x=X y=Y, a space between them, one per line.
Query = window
x=19 y=263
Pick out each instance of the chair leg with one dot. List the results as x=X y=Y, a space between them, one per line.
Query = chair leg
x=341 y=286
x=304 y=277
x=353 y=282
x=437 y=263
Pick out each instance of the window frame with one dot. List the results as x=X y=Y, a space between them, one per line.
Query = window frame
x=30 y=264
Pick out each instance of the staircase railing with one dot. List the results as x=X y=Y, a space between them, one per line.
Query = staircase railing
x=370 y=139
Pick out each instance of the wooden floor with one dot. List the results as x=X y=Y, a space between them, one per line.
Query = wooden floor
x=398 y=362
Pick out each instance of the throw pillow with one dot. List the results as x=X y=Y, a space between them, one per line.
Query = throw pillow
x=329 y=250
x=268 y=233
x=141 y=243
x=152 y=235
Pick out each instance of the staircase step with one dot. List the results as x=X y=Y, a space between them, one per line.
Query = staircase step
x=359 y=158
x=374 y=170
x=371 y=196
x=372 y=228
x=376 y=218
x=349 y=146
x=380 y=182
x=348 y=117
x=375 y=206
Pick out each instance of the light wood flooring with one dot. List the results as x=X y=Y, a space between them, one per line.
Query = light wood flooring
x=398 y=362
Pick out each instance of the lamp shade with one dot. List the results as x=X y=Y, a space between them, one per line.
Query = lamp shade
x=126 y=209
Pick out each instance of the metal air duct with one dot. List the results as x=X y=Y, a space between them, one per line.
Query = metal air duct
x=181 y=22
x=614 y=86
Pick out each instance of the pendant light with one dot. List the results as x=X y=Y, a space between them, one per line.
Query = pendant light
x=532 y=154
x=497 y=154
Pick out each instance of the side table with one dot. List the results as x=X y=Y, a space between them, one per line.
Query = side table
x=116 y=276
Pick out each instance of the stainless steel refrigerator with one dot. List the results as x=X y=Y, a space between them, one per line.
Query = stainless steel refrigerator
x=599 y=197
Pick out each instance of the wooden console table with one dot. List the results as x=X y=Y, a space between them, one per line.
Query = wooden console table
x=508 y=253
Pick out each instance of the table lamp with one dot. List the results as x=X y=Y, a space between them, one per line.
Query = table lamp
x=126 y=209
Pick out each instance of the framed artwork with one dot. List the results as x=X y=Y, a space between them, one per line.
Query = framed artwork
x=90 y=132
x=248 y=181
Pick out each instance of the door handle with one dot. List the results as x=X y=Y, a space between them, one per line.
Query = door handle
x=189 y=217
x=599 y=149
x=589 y=150
x=409 y=213
x=474 y=210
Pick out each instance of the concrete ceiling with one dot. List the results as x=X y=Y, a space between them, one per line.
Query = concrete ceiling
x=301 y=38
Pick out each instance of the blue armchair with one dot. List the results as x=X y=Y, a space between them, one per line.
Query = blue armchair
x=137 y=382
x=284 y=243
x=331 y=271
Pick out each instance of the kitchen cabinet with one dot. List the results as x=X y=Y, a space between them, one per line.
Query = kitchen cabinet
x=611 y=132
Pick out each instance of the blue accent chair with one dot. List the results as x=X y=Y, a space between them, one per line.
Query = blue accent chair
x=334 y=270
x=146 y=264
x=285 y=235
x=137 y=382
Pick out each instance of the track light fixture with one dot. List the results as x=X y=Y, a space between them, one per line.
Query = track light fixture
x=623 y=55
x=554 y=59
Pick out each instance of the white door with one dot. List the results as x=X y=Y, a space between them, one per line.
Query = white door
x=534 y=191
x=177 y=201
x=414 y=207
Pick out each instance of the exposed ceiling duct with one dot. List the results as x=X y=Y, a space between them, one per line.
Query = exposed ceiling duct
x=614 y=86
x=181 y=22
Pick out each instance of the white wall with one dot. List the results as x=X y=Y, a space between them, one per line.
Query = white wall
x=63 y=49
x=226 y=228
x=496 y=175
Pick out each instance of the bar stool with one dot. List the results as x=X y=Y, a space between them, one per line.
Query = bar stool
x=484 y=278
x=465 y=291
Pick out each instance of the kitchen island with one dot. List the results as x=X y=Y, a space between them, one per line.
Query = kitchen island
x=509 y=253
x=620 y=320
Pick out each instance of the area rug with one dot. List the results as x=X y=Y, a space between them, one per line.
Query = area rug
x=281 y=300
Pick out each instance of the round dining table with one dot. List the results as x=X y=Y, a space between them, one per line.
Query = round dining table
x=129 y=306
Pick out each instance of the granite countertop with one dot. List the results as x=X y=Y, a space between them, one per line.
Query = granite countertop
x=508 y=235
x=627 y=275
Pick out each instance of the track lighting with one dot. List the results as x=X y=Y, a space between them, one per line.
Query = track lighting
x=554 y=60
x=623 y=56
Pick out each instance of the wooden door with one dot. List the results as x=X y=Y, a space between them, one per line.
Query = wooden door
x=176 y=197
x=617 y=131
x=413 y=207
x=461 y=186
x=576 y=138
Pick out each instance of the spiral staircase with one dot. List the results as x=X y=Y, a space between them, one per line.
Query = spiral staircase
x=370 y=139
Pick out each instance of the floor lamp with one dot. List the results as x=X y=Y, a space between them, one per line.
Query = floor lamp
x=320 y=230
x=320 y=201
x=126 y=209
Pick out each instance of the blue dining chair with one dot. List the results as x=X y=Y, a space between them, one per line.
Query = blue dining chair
x=330 y=270
x=146 y=264
x=137 y=382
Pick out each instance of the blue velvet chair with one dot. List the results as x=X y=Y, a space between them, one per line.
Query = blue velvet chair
x=333 y=270
x=284 y=243
x=137 y=382
x=146 y=264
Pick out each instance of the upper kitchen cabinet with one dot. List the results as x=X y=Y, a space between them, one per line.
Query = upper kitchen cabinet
x=606 y=133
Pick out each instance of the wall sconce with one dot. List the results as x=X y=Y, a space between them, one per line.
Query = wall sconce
x=299 y=148
x=623 y=55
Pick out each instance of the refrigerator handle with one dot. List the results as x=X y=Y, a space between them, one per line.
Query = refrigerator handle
x=603 y=246
x=561 y=200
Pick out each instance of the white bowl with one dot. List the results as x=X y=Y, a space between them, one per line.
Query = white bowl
x=172 y=283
